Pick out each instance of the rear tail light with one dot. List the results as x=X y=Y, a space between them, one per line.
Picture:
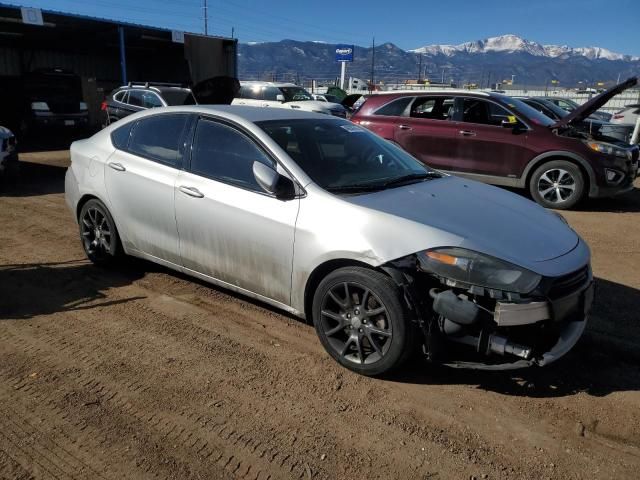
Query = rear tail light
x=618 y=116
x=103 y=106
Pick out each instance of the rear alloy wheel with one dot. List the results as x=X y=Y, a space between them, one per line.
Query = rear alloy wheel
x=361 y=321
x=98 y=233
x=558 y=184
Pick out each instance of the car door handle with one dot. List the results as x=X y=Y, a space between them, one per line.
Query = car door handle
x=117 y=166
x=404 y=127
x=191 y=191
x=467 y=133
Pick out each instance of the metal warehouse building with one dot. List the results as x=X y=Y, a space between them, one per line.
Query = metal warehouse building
x=105 y=54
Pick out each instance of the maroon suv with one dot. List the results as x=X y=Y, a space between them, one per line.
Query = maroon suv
x=500 y=140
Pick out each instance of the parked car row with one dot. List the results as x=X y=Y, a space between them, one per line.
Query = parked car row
x=560 y=158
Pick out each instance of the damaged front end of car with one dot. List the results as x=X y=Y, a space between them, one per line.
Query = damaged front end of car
x=477 y=311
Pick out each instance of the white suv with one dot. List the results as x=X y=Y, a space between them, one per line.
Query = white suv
x=284 y=95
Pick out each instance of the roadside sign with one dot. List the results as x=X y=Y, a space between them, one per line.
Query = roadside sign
x=344 y=53
x=32 y=16
x=177 y=36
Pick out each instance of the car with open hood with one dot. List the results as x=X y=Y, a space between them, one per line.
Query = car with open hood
x=319 y=217
x=500 y=140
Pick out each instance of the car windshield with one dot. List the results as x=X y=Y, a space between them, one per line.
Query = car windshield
x=559 y=111
x=178 y=97
x=530 y=113
x=295 y=94
x=345 y=158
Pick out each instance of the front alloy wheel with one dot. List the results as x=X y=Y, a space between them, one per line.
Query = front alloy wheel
x=558 y=184
x=360 y=319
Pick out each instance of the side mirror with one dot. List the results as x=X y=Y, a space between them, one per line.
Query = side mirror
x=280 y=98
x=274 y=183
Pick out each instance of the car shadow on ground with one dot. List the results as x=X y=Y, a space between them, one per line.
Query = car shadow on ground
x=606 y=360
x=29 y=290
x=32 y=179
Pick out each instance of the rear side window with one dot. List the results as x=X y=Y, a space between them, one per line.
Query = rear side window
x=250 y=92
x=433 y=108
x=159 y=138
x=120 y=96
x=223 y=153
x=395 y=108
x=135 y=98
x=120 y=136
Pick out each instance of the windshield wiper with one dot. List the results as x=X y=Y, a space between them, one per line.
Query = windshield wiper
x=372 y=187
x=411 y=178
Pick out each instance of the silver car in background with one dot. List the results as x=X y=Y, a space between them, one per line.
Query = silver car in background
x=321 y=218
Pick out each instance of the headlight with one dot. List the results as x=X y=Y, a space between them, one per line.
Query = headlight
x=607 y=149
x=39 y=106
x=472 y=268
x=83 y=106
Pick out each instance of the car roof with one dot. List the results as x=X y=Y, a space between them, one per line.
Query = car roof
x=240 y=112
x=258 y=83
x=443 y=91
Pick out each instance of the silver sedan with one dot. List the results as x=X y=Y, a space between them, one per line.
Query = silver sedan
x=321 y=218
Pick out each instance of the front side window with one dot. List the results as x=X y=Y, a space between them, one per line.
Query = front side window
x=223 y=153
x=159 y=138
x=179 y=97
x=482 y=112
x=342 y=157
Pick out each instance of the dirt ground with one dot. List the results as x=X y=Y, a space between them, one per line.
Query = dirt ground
x=139 y=372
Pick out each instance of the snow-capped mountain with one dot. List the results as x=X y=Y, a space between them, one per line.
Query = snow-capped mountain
x=515 y=44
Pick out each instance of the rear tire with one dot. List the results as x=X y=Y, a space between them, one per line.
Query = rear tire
x=557 y=184
x=98 y=233
x=362 y=322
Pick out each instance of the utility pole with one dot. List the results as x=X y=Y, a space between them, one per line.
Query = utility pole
x=373 y=60
x=420 y=69
x=206 y=27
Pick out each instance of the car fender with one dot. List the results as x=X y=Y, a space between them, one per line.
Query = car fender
x=555 y=155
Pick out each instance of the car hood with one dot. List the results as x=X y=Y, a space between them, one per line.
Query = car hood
x=488 y=219
x=583 y=111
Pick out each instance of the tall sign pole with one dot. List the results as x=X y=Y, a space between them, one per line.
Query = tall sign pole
x=206 y=29
x=344 y=54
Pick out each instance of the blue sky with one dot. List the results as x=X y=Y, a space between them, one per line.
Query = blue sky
x=612 y=24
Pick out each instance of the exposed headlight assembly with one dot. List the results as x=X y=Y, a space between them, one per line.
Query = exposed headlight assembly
x=607 y=149
x=472 y=268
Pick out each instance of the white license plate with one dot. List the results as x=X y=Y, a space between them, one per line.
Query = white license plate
x=69 y=122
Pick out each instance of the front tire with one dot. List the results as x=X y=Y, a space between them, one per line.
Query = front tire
x=557 y=184
x=361 y=320
x=98 y=233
